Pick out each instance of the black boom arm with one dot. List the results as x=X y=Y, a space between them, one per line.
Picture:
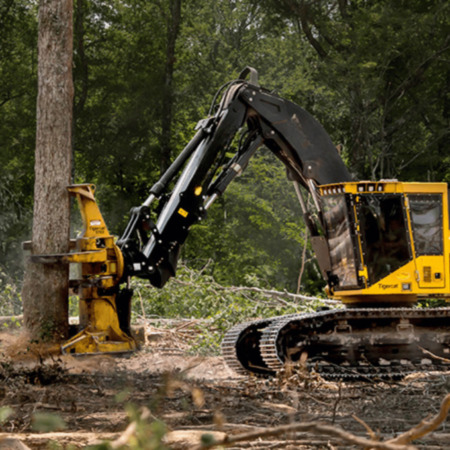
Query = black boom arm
x=151 y=250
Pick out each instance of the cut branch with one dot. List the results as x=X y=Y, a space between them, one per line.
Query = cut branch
x=312 y=427
x=401 y=442
x=434 y=356
x=424 y=427
x=279 y=295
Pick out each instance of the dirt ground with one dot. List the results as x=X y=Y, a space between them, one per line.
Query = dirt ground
x=194 y=395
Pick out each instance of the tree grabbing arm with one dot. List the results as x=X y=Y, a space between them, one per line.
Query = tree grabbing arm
x=151 y=250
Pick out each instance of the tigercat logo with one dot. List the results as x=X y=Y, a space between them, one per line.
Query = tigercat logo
x=388 y=286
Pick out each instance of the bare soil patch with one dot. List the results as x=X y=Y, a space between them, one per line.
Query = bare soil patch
x=193 y=395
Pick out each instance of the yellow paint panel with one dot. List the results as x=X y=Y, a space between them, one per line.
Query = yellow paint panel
x=183 y=212
x=431 y=271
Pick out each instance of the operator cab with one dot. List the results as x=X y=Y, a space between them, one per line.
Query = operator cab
x=385 y=239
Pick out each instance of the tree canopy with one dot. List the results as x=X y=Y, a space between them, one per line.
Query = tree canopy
x=374 y=73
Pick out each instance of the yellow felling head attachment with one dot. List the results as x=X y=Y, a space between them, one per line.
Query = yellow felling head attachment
x=103 y=325
x=101 y=268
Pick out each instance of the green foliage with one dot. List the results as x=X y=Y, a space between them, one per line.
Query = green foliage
x=432 y=303
x=18 y=53
x=74 y=306
x=255 y=229
x=118 y=74
x=147 y=435
x=10 y=299
x=5 y=412
x=378 y=81
x=194 y=294
x=46 y=422
x=14 y=220
x=207 y=439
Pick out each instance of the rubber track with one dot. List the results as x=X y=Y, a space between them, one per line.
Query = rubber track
x=230 y=345
x=269 y=343
x=238 y=351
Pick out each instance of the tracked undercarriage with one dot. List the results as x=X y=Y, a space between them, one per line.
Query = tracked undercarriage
x=344 y=343
x=385 y=245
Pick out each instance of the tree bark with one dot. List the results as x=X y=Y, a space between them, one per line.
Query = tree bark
x=303 y=13
x=45 y=288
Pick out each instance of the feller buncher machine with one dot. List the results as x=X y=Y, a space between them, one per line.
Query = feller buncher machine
x=380 y=245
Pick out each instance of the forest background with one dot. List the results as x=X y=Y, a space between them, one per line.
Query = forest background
x=376 y=74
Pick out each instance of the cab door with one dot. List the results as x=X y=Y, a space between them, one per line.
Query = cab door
x=383 y=233
x=427 y=229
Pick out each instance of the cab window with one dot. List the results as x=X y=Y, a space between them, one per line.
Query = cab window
x=383 y=234
x=340 y=242
x=426 y=219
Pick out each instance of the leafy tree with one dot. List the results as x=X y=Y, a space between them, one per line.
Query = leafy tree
x=381 y=80
x=120 y=78
x=254 y=233
x=246 y=234
x=18 y=57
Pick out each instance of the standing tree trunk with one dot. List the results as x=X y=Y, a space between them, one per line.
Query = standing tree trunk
x=45 y=288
